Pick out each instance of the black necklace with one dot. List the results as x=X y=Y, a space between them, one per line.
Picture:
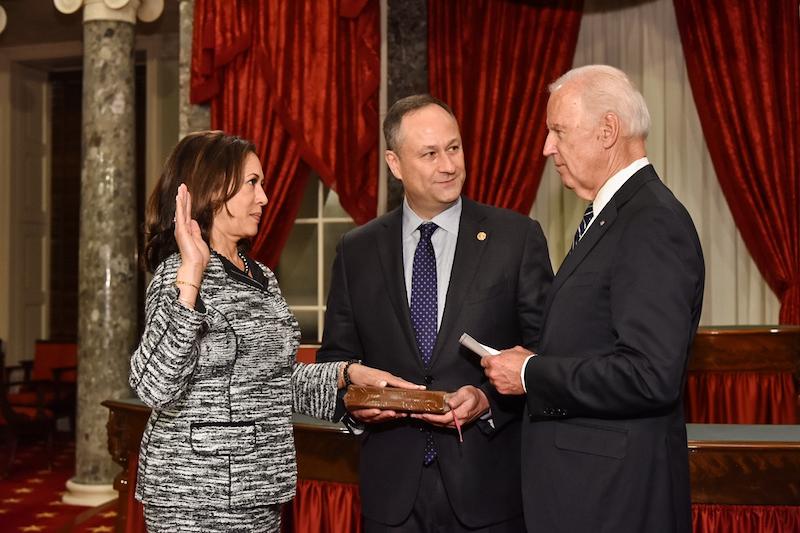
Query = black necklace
x=246 y=268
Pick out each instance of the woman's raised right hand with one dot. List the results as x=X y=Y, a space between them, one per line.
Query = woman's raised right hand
x=194 y=250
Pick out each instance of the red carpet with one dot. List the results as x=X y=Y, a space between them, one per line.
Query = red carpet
x=30 y=497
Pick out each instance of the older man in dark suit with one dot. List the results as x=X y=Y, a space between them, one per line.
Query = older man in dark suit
x=404 y=288
x=604 y=439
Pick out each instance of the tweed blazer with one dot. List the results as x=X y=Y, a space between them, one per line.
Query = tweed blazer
x=223 y=382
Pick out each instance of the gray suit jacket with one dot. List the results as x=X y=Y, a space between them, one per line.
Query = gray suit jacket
x=223 y=382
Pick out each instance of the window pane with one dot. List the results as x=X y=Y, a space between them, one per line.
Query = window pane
x=331 y=207
x=308 y=326
x=333 y=233
x=308 y=207
x=297 y=269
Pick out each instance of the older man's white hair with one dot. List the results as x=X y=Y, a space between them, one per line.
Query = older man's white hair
x=606 y=89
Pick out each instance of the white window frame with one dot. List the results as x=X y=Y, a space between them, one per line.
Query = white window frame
x=320 y=221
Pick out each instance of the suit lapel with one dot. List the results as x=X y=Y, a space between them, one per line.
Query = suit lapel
x=469 y=251
x=605 y=219
x=390 y=250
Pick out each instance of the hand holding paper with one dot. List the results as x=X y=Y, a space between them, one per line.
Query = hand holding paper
x=504 y=370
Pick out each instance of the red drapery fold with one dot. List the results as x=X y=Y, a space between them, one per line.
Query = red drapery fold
x=741 y=398
x=709 y=518
x=323 y=507
x=743 y=61
x=301 y=80
x=491 y=61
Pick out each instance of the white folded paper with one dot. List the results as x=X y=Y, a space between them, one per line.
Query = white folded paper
x=475 y=346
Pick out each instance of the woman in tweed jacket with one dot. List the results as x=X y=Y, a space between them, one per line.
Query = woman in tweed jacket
x=216 y=361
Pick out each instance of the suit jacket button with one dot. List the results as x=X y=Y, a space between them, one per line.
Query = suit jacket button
x=428 y=380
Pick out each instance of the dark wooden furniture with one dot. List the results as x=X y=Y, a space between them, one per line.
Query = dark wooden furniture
x=744 y=375
x=126 y=422
x=747 y=348
x=50 y=376
x=729 y=464
x=737 y=464
x=17 y=422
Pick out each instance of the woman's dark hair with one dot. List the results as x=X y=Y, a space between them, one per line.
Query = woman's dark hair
x=210 y=164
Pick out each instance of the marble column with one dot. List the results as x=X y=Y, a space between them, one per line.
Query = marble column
x=191 y=117
x=407 y=69
x=107 y=312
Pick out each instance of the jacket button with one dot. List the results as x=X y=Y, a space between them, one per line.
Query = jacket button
x=428 y=380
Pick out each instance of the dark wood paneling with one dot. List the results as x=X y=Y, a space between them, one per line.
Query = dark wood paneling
x=755 y=348
x=729 y=471
x=66 y=90
x=745 y=473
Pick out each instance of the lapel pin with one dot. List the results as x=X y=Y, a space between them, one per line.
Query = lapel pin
x=602 y=222
x=481 y=235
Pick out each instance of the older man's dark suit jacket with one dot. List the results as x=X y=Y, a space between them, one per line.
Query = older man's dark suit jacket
x=604 y=442
x=496 y=293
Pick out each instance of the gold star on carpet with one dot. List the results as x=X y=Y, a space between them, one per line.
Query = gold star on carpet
x=3 y=511
x=23 y=490
x=35 y=480
x=12 y=500
x=101 y=529
x=31 y=528
x=56 y=502
x=110 y=514
x=46 y=515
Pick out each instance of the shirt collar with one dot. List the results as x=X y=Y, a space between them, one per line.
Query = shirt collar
x=447 y=220
x=615 y=182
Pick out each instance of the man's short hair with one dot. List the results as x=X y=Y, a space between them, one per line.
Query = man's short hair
x=607 y=89
x=401 y=108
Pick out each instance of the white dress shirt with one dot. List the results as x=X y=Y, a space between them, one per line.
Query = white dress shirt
x=444 y=246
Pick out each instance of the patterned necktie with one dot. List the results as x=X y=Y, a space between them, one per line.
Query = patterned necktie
x=587 y=218
x=424 y=309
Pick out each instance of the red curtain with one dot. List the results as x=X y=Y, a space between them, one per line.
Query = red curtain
x=741 y=398
x=743 y=61
x=301 y=80
x=323 y=507
x=709 y=518
x=491 y=61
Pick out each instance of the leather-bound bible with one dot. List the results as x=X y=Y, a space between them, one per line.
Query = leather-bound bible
x=415 y=401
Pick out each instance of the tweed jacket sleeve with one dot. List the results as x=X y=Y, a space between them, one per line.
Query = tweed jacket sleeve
x=164 y=361
x=314 y=389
